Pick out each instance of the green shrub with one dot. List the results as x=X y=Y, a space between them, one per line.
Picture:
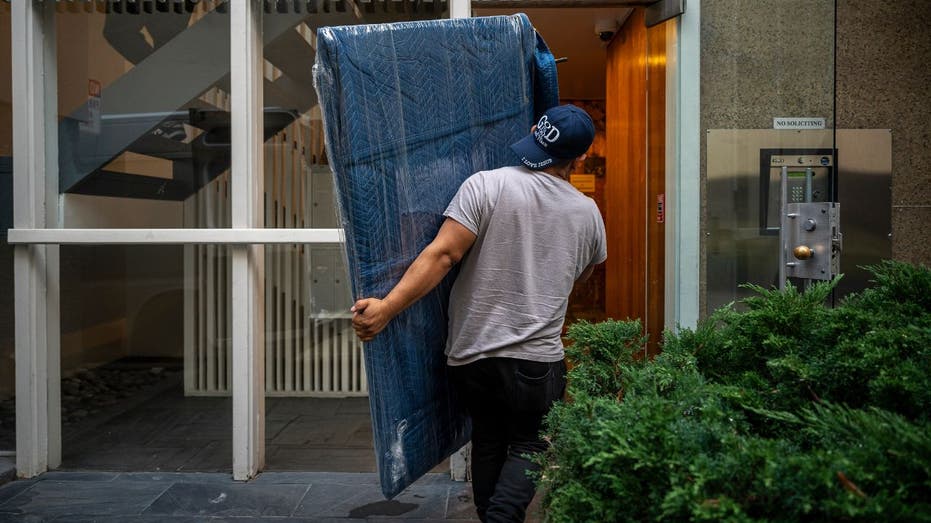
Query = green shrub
x=598 y=353
x=787 y=411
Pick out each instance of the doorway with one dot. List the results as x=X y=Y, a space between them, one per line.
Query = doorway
x=638 y=119
x=616 y=69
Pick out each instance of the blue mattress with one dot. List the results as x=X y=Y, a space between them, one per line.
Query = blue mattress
x=410 y=111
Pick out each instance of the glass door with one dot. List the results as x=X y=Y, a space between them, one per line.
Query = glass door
x=174 y=229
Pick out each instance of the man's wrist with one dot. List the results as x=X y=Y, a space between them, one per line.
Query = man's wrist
x=391 y=307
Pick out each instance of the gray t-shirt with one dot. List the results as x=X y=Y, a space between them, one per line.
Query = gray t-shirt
x=535 y=235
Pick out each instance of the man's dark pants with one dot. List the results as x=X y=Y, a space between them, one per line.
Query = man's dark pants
x=507 y=399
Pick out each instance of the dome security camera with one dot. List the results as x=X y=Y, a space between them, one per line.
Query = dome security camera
x=605 y=29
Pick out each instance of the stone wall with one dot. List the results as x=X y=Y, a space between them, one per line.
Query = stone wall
x=760 y=59
x=883 y=80
x=766 y=58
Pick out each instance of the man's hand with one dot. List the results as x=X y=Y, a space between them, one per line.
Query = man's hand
x=370 y=316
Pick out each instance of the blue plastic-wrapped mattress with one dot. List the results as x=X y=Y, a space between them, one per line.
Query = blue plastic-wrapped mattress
x=411 y=110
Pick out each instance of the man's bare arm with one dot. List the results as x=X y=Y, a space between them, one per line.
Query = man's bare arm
x=371 y=315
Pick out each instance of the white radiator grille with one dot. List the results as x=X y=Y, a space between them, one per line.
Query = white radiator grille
x=310 y=349
x=207 y=312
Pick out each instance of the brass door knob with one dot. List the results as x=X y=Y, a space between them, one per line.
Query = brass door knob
x=802 y=252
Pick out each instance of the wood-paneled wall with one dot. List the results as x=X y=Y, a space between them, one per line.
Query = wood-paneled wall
x=626 y=171
x=636 y=107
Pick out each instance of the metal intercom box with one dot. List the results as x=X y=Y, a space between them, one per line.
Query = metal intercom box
x=740 y=227
x=812 y=240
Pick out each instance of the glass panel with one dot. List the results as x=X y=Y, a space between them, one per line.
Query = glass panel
x=298 y=182
x=144 y=125
x=313 y=365
x=7 y=366
x=775 y=60
x=311 y=349
x=145 y=358
x=317 y=406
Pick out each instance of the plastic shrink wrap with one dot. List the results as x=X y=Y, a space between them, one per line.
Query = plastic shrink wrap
x=411 y=110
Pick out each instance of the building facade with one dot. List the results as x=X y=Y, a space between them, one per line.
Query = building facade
x=165 y=185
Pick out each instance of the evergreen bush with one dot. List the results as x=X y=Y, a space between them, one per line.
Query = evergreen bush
x=785 y=411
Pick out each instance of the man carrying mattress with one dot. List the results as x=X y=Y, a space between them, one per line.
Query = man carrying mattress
x=523 y=236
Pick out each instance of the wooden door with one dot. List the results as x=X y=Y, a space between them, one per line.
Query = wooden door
x=635 y=175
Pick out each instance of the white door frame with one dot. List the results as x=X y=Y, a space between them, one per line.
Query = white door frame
x=248 y=261
x=35 y=267
x=683 y=181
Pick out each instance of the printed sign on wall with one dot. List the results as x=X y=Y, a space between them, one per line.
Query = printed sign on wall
x=92 y=122
x=798 y=123
x=585 y=183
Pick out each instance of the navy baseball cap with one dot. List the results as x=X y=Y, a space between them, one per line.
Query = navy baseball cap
x=564 y=132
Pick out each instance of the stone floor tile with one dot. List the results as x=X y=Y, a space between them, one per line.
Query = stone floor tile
x=172 y=432
x=192 y=433
x=58 y=475
x=274 y=427
x=338 y=500
x=283 y=478
x=7 y=435
x=459 y=502
x=361 y=435
x=275 y=520
x=139 y=418
x=302 y=433
x=175 y=400
x=346 y=479
x=171 y=477
x=431 y=500
x=13 y=489
x=437 y=478
x=108 y=435
x=146 y=414
x=140 y=519
x=319 y=459
x=127 y=431
x=7 y=469
x=222 y=418
x=23 y=518
x=338 y=419
x=198 y=499
x=289 y=408
x=417 y=502
x=215 y=456
x=124 y=458
x=352 y=406
x=282 y=497
x=67 y=498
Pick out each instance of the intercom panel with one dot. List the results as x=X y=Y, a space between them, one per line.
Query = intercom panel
x=810 y=179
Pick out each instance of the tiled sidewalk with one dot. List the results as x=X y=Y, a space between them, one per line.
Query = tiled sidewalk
x=189 y=497
x=171 y=432
x=185 y=443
